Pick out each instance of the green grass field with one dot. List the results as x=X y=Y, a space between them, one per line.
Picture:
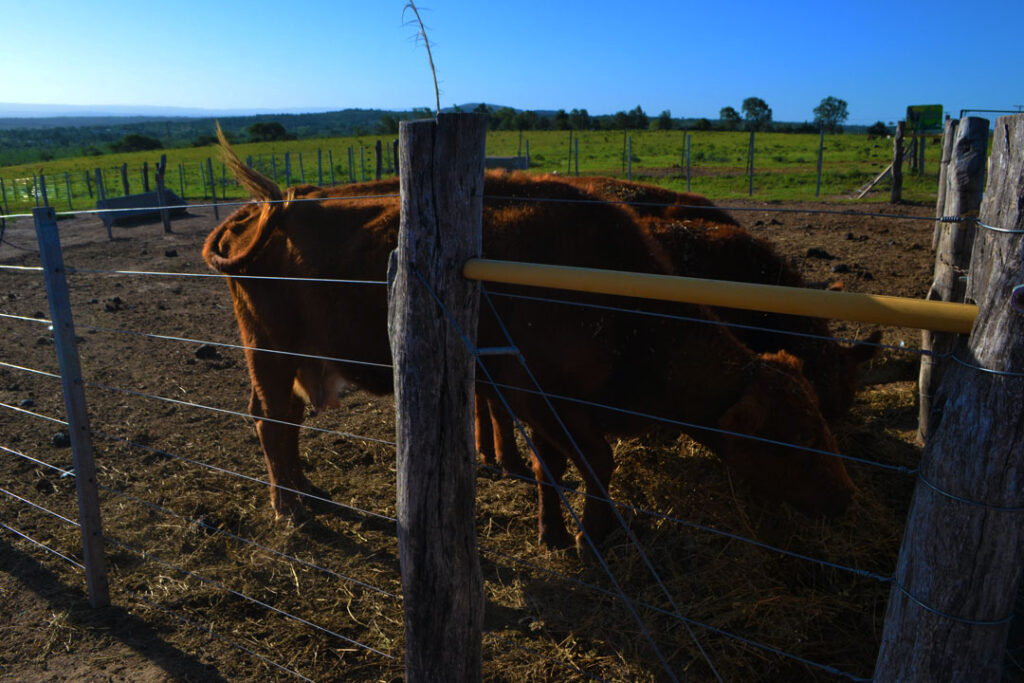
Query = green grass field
x=785 y=165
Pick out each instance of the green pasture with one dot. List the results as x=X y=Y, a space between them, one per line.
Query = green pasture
x=785 y=165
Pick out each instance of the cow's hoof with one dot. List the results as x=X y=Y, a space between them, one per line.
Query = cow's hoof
x=294 y=514
x=555 y=539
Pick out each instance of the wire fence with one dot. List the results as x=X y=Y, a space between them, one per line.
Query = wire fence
x=637 y=578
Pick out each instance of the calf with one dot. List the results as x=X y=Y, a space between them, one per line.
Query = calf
x=700 y=373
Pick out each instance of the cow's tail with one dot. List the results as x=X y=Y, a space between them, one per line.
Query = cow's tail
x=227 y=248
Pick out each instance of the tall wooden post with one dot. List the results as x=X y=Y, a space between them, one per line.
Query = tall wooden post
x=213 y=188
x=964 y=186
x=124 y=179
x=145 y=176
x=897 y=164
x=161 y=193
x=821 y=154
x=442 y=169
x=750 y=165
x=948 y=133
x=378 y=149
x=961 y=554
x=74 y=403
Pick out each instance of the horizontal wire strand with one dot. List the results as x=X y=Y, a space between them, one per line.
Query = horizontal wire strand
x=222 y=638
x=241 y=539
x=43 y=546
x=239 y=475
x=38 y=507
x=210 y=582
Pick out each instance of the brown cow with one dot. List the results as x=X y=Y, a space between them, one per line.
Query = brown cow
x=697 y=373
x=703 y=241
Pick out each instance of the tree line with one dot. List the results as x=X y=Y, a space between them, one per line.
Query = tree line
x=23 y=144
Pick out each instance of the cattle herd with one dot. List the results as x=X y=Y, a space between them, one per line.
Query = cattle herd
x=717 y=375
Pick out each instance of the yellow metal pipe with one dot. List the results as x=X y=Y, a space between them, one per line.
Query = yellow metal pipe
x=940 y=316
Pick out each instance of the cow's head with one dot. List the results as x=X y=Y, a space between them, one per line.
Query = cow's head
x=779 y=405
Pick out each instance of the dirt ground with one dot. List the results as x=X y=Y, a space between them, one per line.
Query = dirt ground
x=172 y=520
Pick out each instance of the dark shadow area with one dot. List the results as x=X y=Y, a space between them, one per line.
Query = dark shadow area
x=113 y=621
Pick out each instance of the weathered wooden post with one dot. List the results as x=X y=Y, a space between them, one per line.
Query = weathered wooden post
x=821 y=154
x=897 y=164
x=101 y=192
x=124 y=179
x=362 y=164
x=394 y=154
x=378 y=149
x=330 y=162
x=213 y=188
x=750 y=166
x=42 y=189
x=964 y=187
x=145 y=176
x=67 y=185
x=161 y=193
x=442 y=168
x=960 y=560
x=74 y=402
x=948 y=133
x=3 y=194
x=302 y=169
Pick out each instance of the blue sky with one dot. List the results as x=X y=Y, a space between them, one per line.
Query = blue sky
x=688 y=57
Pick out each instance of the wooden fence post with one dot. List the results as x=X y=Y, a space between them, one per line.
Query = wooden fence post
x=948 y=133
x=750 y=166
x=394 y=154
x=302 y=170
x=145 y=176
x=213 y=188
x=67 y=185
x=434 y=371
x=124 y=179
x=961 y=553
x=629 y=158
x=330 y=163
x=74 y=403
x=378 y=170
x=897 y=164
x=964 y=187
x=821 y=154
x=101 y=192
x=351 y=172
x=319 y=167
x=161 y=193
x=3 y=194
x=287 y=169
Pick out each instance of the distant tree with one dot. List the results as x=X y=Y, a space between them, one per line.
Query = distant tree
x=561 y=121
x=526 y=120
x=664 y=121
x=503 y=119
x=638 y=119
x=481 y=109
x=133 y=142
x=204 y=141
x=757 y=113
x=702 y=124
x=730 y=118
x=422 y=113
x=877 y=130
x=830 y=114
x=92 y=151
x=387 y=125
x=579 y=119
x=267 y=132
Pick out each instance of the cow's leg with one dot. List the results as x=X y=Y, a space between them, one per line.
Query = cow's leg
x=597 y=510
x=550 y=524
x=504 y=434
x=485 y=445
x=587 y=442
x=273 y=398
